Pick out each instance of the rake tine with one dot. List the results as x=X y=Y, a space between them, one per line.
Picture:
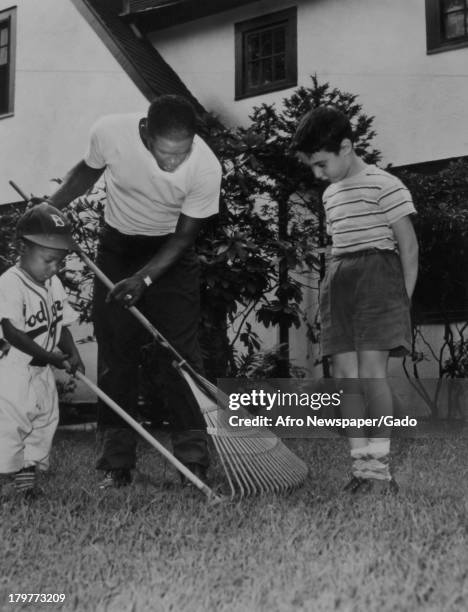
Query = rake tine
x=243 y=480
x=249 y=474
x=261 y=461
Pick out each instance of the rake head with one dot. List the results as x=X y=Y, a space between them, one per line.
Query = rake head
x=254 y=460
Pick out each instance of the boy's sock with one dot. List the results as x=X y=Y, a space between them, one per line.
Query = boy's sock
x=379 y=458
x=372 y=460
x=359 y=458
x=25 y=479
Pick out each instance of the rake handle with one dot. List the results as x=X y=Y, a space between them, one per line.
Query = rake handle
x=148 y=437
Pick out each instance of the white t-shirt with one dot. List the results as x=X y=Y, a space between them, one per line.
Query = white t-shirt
x=39 y=311
x=142 y=198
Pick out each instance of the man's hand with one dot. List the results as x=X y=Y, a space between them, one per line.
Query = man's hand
x=128 y=291
x=58 y=359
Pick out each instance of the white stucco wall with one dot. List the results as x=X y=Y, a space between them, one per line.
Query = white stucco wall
x=374 y=48
x=65 y=79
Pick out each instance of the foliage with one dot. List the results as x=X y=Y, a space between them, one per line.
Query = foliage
x=264 y=364
x=441 y=224
x=8 y=246
x=86 y=217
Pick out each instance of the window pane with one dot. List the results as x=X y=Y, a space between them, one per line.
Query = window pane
x=3 y=37
x=267 y=44
x=253 y=46
x=279 y=40
x=279 y=67
x=267 y=71
x=455 y=25
x=253 y=74
x=3 y=56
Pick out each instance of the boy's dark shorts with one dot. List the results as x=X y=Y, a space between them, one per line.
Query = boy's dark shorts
x=364 y=305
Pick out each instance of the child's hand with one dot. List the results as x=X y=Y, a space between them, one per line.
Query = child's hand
x=75 y=363
x=4 y=347
x=58 y=360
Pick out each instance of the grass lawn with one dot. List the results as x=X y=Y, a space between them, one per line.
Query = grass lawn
x=159 y=548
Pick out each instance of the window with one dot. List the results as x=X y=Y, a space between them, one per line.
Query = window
x=266 y=53
x=7 y=60
x=446 y=24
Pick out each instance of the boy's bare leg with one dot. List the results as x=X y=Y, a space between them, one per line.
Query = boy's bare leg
x=346 y=365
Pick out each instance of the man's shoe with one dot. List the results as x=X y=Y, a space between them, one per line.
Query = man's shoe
x=198 y=470
x=116 y=479
x=358 y=485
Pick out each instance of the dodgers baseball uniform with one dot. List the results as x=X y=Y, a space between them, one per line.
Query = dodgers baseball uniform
x=28 y=394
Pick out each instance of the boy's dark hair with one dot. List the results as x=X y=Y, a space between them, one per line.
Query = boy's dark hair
x=171 y=114
x=322 y=129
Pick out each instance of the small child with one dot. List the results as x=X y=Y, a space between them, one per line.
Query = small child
x=366 y=292
x=34 y=315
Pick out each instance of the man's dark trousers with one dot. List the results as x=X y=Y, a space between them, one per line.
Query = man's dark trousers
x=172 y=304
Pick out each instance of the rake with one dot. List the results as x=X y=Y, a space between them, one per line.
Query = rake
x=254 y=459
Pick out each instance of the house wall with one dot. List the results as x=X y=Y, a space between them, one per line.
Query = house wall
x=65 y=79
x=374 y=48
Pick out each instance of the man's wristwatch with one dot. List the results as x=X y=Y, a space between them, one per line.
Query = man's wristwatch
x=147 y=280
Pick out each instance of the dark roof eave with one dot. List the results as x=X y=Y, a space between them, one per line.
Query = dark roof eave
x=150 y=19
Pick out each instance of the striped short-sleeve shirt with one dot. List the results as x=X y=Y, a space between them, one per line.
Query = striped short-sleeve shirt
x=360 y=210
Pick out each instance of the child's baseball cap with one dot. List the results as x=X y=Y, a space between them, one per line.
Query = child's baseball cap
x=46 y=226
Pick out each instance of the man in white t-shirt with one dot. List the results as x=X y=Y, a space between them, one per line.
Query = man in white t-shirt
x=163 y=182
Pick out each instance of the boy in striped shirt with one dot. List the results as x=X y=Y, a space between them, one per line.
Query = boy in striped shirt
x=366 y=292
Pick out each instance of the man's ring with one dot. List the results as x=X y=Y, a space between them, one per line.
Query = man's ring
x=128 y=297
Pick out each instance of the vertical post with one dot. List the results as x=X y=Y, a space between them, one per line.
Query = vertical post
x=283 y=277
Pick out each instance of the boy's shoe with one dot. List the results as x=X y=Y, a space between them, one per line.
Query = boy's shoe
x=368 y=485
x=116 y=479
x=198 y=470
x=358 y=485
